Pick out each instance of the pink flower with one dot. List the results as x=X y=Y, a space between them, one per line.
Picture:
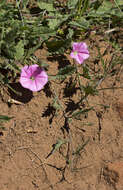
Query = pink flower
x=80 y=52
x=33 y=77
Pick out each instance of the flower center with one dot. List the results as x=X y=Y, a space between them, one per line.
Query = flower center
x=32 y=78
x=75 y=52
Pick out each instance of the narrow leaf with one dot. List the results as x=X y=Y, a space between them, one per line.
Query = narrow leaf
x=5 y=118
x=78 y=113
x=19 y=50
x=81 y=147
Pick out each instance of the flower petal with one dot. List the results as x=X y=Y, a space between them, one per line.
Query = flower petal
x=39 y=75
x=82 y=46
x=75 y=46
x=26 y=72
x=41 y=80
x=84 y=55
x=81 y=50
x=34 y=68
x=25 y=82
x=79 y=59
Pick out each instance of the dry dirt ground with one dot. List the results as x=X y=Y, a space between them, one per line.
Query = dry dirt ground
x=29 y=137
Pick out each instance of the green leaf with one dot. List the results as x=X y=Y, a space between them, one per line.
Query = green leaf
x=78 y=113
x=56 y=146
x=54 y=45
x=68 y=70
x=44 y=36
x=81 y=147
x=107 y=8
x=2 y=2
x=84 y=7
x=119 y=2
x=81 y=23
x=63 y=73
x=46 y=6
x=25 y=2
x=71 y=4
x=56 y=19
x=86 y=73
x=53 y=23
x=56 y=104
x=58 y=46
x=19 y=50
x=5 y=118
x=89 y=89
x=70 y=33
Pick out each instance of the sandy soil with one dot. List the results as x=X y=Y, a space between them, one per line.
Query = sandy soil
x=29 y=138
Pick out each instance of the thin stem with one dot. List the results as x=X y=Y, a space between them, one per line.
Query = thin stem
x=21 y=18
x=110 y=88
x=117 y=6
